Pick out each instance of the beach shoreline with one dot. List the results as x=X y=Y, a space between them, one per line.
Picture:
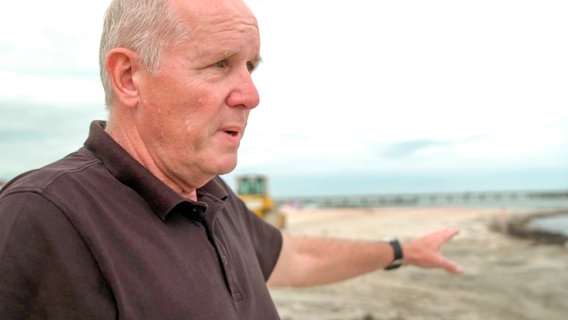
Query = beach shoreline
x=520 y=226
x=505 y=277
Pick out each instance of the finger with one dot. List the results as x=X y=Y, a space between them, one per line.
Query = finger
x=454 y=268
x=453 y=232
x=447 y=235
x=448 y=265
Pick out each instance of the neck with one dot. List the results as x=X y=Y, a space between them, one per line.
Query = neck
x=130 y=140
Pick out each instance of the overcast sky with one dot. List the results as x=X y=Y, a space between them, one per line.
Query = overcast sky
x=414 y=95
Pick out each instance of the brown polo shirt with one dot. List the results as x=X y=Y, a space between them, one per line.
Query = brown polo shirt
x=97 y=236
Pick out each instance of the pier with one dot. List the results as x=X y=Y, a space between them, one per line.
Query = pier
x=477 y=199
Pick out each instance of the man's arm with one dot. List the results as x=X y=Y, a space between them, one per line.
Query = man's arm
x=307 y=261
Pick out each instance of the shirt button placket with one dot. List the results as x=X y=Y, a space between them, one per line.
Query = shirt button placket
x=229 y=274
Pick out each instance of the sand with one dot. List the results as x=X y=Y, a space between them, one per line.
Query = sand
x=505 y=277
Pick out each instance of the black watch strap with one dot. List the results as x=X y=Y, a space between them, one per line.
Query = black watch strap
x=397 y=249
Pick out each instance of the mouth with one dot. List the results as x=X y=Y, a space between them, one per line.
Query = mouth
x=232 y=133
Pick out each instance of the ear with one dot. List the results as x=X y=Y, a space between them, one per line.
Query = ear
x=122 y=65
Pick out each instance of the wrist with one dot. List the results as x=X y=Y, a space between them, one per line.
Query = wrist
x=397 y=254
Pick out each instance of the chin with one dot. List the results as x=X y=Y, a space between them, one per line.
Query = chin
x=227 y=166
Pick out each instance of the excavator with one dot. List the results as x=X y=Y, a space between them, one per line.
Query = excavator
x=253 y=190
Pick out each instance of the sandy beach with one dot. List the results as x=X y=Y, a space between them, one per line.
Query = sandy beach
x=505 y=277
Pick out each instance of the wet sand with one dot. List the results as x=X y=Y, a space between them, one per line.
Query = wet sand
x=505 y=277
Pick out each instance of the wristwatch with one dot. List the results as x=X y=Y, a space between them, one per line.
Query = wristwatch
x=397 y=249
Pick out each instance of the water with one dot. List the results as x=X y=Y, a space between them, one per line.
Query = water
x=556 y=224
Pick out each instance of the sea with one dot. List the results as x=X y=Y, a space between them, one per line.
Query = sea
x=555 y=224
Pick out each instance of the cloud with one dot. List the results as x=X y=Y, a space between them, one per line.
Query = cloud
x=53 y=55
x=413 y=93
x=409 y=148
x=32 y=135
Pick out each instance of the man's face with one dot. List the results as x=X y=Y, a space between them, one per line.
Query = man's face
x=192 y=114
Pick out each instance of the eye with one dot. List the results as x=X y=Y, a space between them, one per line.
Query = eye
x=220 y=64
x=251 y=66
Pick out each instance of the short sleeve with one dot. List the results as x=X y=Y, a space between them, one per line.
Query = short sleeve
x=267 y=242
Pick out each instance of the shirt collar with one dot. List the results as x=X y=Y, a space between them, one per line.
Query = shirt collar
x=161 y=198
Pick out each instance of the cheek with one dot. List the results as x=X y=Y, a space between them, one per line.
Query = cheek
x=191 y=110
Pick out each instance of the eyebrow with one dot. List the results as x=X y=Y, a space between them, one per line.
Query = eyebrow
x=256 y=60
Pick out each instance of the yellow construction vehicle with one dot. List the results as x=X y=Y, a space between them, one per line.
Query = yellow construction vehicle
x=253 y=190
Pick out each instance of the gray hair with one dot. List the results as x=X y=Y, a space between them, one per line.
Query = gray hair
x=143 y=26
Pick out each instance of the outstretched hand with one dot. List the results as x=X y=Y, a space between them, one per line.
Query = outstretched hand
x=424 y=252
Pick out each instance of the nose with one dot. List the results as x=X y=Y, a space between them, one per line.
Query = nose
x=244 y=94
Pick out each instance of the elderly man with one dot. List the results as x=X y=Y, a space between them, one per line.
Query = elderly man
x=137 y=224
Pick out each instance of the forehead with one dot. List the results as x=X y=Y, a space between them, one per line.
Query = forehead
x=215 y=15
x=213 y=23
